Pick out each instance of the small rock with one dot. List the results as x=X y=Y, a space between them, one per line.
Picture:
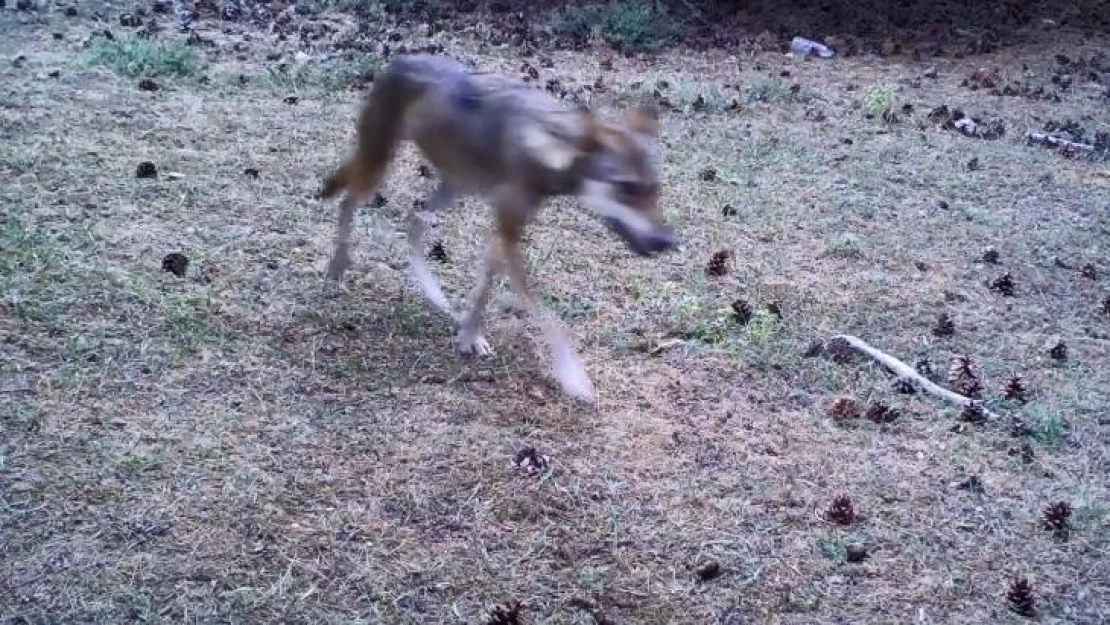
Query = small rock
x=175 y=263
x=251 y=172
x=709 y=570
x=530 y=460
x=148 y=84
x=70 y=12
x=972 y=484
x=1059 y=352
x=291 y=100
x=855 y=553
x=146 y=169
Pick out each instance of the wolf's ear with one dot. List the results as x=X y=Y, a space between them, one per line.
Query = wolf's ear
x=644 y=119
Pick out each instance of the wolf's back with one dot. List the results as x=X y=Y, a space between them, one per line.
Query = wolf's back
x=380 y=123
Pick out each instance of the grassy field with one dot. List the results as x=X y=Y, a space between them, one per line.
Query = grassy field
x=249 y=444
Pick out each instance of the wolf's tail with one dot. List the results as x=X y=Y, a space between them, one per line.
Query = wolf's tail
x=380 y=126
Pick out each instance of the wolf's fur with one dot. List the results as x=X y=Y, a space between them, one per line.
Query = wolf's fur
x=493 y=136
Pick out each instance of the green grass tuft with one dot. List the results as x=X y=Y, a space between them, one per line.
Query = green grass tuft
x=135 y=56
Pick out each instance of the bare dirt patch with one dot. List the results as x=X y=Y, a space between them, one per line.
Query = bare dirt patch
x=233 y=440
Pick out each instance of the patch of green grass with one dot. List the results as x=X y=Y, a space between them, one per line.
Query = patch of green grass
x=344 y=6
x=570 y=307
x=767 y=90
x=135 y=56
x=351 y=74
x=643 y=26
x=702 y=323
x=627 y=25
x=877 y=102
x=332 y=77
x=27 y=252
x=1049 y=426
x=573 y=23
x=135 y=463
x=844 y=247
x=832 y=547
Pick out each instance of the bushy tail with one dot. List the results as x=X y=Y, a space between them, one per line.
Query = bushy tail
x=379 y=127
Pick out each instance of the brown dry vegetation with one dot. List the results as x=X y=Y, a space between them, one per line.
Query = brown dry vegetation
x=249 y=444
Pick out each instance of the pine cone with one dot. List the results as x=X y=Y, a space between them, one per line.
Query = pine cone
x=1089 y=271
x=925 y=368
x=1024 y=451
x=962 y=378
x=840 y=350
x=845 y=408
x=530 y=460
x=1059 y=352
x=1020 y=428
x=1057 y=519
x=718 y=263
x=438 y=253
x=841 y=511
x=1020 y=597
x=904 y=386
x=708 y=174
x=504 y=614
x=1015 y=389
x=973 y=413
x=741 y=312
x=990 y=255
x=1004 y=285
x=1106 y=305
x=882 y=413
x=944 y=326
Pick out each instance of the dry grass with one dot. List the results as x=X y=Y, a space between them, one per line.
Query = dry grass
x=248 y=444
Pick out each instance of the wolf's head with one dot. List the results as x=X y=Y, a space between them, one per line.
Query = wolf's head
x=620 y=178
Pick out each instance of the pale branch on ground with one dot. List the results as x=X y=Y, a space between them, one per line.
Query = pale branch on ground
x=906 y=372
x=1068 y=148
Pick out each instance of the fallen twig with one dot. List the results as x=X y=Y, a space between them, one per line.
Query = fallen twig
x=1067 y=148
x=906 y=372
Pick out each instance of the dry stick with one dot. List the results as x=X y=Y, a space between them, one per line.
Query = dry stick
x=1068 y=148
x=904 y=371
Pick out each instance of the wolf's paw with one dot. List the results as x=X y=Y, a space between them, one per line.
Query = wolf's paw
x=472 y=344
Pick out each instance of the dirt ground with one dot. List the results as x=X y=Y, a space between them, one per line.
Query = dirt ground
x=246 y=443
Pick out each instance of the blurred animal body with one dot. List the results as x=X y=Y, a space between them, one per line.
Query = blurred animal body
x=493 y=136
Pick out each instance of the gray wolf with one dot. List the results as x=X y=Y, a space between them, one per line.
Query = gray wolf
x=516 y=146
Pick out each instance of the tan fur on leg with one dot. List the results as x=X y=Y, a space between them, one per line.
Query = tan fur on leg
x=468 y=338
x=567 y=365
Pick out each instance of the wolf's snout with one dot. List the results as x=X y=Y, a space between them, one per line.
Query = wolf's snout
x=643 y=243
x=660 y=241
